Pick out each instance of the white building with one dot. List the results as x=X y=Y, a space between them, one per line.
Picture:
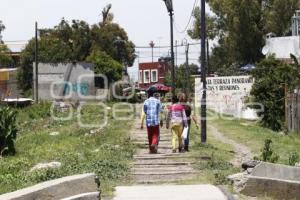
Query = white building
x=283 y=47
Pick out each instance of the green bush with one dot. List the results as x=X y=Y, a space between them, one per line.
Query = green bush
x=294 y=158
x=271 y=76
x=8 y=131
x=268 y=154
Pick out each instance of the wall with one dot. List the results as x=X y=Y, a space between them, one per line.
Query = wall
x=226 y=95
x=282 y=47
x=9 y=84
x=66 y=79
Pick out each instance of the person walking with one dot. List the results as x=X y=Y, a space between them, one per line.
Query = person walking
x=152 y=110
x=177 y=120
x=190 y=116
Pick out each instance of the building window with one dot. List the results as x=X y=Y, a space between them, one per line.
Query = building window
x=141 y=76
x=154 y=76
x=146 y=76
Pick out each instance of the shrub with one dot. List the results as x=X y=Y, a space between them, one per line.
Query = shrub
x=8 y=131
x=271 y=76
x=268 y=155
x=294 y=158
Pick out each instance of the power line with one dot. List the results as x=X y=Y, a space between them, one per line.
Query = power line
x=13 y=41
x=190 y=19
x=164 y=47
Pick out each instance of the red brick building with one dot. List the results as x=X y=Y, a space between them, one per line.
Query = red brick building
x=152 y=73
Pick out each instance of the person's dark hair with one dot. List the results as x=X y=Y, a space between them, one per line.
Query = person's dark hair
x=151 y=91
x=150 y=94
x=175 y=99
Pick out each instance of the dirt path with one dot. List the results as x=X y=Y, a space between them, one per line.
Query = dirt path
x=242 y=152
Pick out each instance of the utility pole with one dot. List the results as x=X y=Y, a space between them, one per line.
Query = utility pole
x=172 y=56
x=203 y=74
x=187 y=71
x=152 y=46
x=169 y=5
x=36 y=65
x=208 y=67
x=176 y=45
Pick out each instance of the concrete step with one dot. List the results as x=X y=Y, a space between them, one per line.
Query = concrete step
x=145 y=151
x=177 y=156
x=144 y=142
x=145 y=137
x=168 y=178
x=163 y=169
x=150 y=173
x=85 y=196
x=161 y=163
x=159 y=147
x=167 y=192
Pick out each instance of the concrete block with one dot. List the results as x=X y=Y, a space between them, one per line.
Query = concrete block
x=273 y=180
x=56 y=189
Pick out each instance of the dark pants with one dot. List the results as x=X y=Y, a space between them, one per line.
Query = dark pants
x=153 y=136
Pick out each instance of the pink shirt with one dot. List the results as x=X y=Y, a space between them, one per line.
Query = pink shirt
x=177 y=115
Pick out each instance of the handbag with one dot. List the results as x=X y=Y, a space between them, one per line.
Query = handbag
x=185 y=133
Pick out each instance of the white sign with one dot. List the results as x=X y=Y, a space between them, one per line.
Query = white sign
x=225 y=94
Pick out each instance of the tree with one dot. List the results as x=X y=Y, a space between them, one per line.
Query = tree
x=107 y=17
x=5 y=59
x=211 y=23
x=183 y=82
x=271 y=77
x=113 y=39
x=106 y=65
x=75 y=35
x=2 y=28
x=278 y=15
x=51 y=49
x=74 y=41
x=240 y=26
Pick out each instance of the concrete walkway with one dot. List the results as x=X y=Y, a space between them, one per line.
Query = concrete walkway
x=165 y=192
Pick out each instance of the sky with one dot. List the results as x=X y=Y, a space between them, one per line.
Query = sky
x=143 y=20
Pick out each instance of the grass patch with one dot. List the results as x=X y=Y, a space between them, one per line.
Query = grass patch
x=107 y=153
x=253 y=136
x=212 y=160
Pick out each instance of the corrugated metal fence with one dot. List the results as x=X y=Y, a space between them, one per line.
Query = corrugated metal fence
x=293 y=111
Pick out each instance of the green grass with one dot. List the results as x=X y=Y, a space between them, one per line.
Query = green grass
x=253 y=136
x=212 y=160
x=107 y=153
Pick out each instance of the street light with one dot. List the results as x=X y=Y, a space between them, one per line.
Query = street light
x=169 y=5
